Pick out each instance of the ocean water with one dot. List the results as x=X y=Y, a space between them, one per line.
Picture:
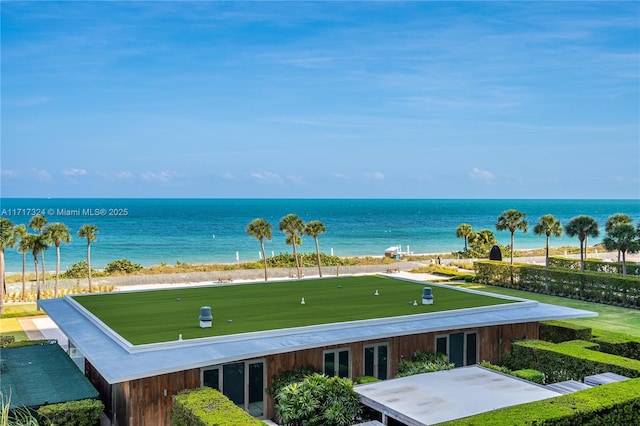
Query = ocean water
x=154 y=231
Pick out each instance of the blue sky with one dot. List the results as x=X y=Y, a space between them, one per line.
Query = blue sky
x=321 y=99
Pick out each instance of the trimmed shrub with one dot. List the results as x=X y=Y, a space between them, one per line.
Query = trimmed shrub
x=558 y=331
x=423 y=362
x=208 y=407
x=612 y=404
x=617 y=343
x=569 y=360
x=531 y=375
x=85 y=412
x=362 y=380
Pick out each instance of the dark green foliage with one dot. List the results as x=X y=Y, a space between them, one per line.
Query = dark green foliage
x=319 y=400
x=599 y=287
x=286 y=260
x=122 y=266
x=594 y=265
x=78 y=270
x=607 y=405
x=208 y=407
x=423 y=362
x=285 y=378
x=86 y=412
x=558 y=331
x=568 y=360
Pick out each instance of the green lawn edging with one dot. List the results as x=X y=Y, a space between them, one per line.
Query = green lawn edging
x=612 y=404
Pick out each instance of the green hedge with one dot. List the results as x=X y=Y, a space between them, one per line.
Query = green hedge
x=612 y=404
x=617 y=343
x=596 y=287
x=558 y=331
x=85 y=412
x=531 y=375
x=594 y=265
x=208 y=407
x=571 y=360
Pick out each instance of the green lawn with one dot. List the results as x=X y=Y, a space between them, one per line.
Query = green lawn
x=161 y=315
x=610 y=318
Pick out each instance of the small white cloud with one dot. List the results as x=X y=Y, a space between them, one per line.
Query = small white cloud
x=74 y=172
x=163 y=176
x=374 y=175
x=478 y=174
x=295 y=179
x=339 y=176
x=226 y=175
x=266 y=176
x=125 y=175
x=42 y=175
x=8 y=173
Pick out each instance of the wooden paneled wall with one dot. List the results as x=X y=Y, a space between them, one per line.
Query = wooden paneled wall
x=143 y=401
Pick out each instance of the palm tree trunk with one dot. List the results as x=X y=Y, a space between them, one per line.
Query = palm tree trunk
x=295 y=257
x=35 y=262
x=582 y=255
x=512 y=248
x=264 y=259
x=465 y=243
x=624 y=263
x=546 y=263
x=24 y=281
x=55 y=291
x=44 y=274
x=89 y=265
x=318 y=254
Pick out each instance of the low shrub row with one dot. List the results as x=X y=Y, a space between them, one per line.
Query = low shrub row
x=594 y=265
x=617 y=343
x=612 y=289
x=558 y=331
x=525 y=374
x=612 y=404
x=85 y=412
x=208 y=407
x=571 y=360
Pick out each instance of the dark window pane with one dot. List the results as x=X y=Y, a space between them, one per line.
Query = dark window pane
x=472 y=348
x=329 y=364
x=233 y=383
x=368 y=361
x=343 y=359
x=211 y=378
x=256 y=389
x=456 y=349
x=441 y=345
x=382 y=362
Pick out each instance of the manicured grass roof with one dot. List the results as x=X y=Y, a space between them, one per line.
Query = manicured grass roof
x=162 y=315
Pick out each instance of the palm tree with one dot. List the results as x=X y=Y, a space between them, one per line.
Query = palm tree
x=622 y=237
x=293 y=227
x=582 y=226
x=37 y=223
x=548 y=225
x=8 y=240
x=89 y=232
x=464 y=231
x=260 y=229
x=313 y=229
x=57 y=233
x=512 y=220
x=614 y=220
x=23 y=247
x=37 y=244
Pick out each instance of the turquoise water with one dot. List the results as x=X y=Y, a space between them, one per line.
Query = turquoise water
x=152 y=231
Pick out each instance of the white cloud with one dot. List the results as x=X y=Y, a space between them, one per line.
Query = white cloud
x=226 y=175
x=266 y=176
x=74 y=172
x=295 y=179
x=123 y=174
x=8 y=173
x=42 y=175
x=163 y=176
x=374 y=175
x=478 y=174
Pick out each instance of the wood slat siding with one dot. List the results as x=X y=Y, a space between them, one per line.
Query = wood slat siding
x=142 y=401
